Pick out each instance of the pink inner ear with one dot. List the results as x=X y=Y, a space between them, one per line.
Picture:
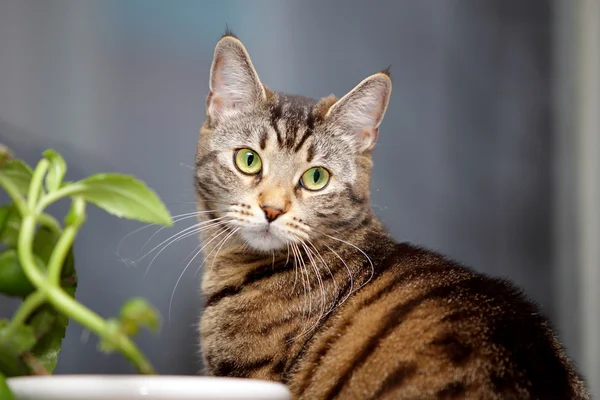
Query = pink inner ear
x=368 y=138
x=217 y=79
x=216 y=103
x=366 y=134
x=220 y=98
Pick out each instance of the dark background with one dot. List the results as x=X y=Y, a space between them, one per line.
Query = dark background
x=463 y=163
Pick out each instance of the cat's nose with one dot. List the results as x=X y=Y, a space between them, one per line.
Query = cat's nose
x=271 y=213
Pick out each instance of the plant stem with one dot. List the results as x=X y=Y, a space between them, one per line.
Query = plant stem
x=65 y=304
x=24 y=250
x=48 y=288
x=30 y=304
x=34 y=364
x=45 y=219
x=49 y=222
x=65 y=242
x=71 y=308
x=58 y=194
x=14 y=194
x=35 y=186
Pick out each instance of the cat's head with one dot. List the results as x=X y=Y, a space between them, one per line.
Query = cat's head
x=281 y=169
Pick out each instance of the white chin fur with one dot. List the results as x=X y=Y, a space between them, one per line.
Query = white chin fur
x=263 y=242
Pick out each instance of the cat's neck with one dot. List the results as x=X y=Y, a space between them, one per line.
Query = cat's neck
x=348 y=258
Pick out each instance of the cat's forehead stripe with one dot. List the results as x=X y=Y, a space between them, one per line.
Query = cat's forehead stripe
x=275 y=117
x=263 y=138
x=295 y=115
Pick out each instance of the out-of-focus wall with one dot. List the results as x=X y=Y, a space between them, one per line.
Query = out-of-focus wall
x=462 y=164
x=576 y=176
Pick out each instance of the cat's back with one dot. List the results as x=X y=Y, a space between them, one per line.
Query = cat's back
x=426 y=327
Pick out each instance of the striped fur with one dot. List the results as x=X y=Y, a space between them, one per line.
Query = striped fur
x=348 y=313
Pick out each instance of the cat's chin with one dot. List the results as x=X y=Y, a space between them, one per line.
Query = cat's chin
x=264 y=241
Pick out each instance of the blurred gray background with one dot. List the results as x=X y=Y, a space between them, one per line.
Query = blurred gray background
x=464 y=162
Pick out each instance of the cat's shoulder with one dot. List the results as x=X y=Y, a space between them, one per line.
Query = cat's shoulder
x=441 y=276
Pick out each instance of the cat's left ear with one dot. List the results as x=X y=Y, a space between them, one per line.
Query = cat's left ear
x=234 y=83
x=357 y=115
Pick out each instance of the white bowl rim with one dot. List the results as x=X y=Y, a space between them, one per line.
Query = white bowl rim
x=145 y=386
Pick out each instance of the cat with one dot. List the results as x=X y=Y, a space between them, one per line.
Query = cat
x=303 y=284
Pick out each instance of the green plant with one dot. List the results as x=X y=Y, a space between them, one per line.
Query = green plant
x=37 y=264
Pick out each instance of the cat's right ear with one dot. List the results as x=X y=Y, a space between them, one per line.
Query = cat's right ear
x=356 y=116
x=234 y=83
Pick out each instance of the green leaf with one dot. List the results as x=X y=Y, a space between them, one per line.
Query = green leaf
x=109 y=343
x=13 y=281
x=57 y=170
x=18 y=173
x=21 y=340
x=123 y=196
x=10 y=225
x=43 y=320
x=44 y=242
x=50 y=327
x=43 y=245
x=5 y=393
x=4 y=211
x=138 y=312
x=11 y=363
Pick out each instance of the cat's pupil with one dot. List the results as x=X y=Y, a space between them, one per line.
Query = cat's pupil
x=316 y=176
x=250 y=159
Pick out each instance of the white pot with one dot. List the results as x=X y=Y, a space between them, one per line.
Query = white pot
x=133 y=387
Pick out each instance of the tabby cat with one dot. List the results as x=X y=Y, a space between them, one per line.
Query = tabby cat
x=303 y=284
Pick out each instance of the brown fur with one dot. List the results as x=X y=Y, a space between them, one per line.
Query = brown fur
x=323 y=106
x=347 y=313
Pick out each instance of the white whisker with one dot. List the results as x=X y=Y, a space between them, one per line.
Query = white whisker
x=308 y=286
x=184 y=236
x=182 y=217
x=300 y=263
x=323 y=302
x=363 y=253
x=349 y=276
x=316 y=251
x=189 y=255
x=220 y=244
x=309 y=253
x=182 y=232
x=295 y=267
x=175 y=218
x=223 y=230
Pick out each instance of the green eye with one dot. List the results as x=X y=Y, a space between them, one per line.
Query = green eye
x=248 y=161
x=315 y=178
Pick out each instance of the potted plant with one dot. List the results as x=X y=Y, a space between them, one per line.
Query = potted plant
x=37 y=265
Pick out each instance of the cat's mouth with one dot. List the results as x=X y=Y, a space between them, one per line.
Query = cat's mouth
x=264 y=238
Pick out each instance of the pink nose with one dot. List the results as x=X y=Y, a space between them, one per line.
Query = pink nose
x=271 y=213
